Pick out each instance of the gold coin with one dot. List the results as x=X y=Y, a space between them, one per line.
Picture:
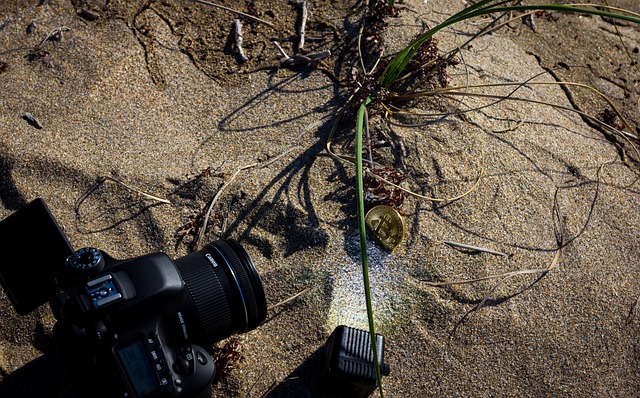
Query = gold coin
x=387 y=225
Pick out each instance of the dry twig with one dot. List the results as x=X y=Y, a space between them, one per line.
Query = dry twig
x=474 y=248
x=32 y=120
x=242 y=14
x=303 y=22
x=285 y=56
x=226 y=184
x=105 y=178
x=501 y=278
x=288 y=300
x=297 y=59
x=237 y=29
x=56 y=34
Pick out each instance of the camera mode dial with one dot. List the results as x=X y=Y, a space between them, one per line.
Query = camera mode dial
x=88 y=259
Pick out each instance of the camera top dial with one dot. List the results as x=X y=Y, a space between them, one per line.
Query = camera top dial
x=88 y=259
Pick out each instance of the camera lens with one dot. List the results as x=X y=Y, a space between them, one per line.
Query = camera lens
x=223 y=295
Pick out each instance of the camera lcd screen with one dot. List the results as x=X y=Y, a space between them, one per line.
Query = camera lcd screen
x=137 y=365
x=36 y=249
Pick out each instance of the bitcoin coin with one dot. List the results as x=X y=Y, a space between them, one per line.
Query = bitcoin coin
x=386 y=224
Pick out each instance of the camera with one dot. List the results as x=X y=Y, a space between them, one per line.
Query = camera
x=131 y=328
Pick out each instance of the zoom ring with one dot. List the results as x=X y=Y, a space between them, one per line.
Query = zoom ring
x=207 y=295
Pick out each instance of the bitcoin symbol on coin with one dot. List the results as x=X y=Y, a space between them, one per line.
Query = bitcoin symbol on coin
x=387 y=225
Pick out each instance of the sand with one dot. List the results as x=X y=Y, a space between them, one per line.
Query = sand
x=150 y=94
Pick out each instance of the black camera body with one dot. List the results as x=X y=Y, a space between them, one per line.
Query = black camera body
x=122 y=320
x=135 y=328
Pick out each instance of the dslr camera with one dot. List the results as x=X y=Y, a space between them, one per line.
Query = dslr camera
x=131 y=328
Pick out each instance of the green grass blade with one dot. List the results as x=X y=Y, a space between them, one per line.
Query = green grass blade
x=562 y=8
x=363 y=239
x=402 y=59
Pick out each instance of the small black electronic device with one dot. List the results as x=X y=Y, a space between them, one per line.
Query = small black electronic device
x=349 y=365
x=131 y=328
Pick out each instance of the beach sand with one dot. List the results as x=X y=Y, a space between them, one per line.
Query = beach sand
x=150 y=94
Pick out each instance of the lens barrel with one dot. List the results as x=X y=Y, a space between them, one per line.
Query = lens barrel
x=224 y=294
